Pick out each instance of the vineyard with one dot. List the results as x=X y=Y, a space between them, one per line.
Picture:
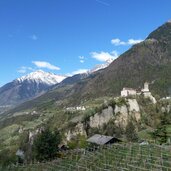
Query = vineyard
x=118 y=157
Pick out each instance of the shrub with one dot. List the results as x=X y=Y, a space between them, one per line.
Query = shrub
x=112 y=103
x=45 y=145
x=7 y=157
x=121 y=101
x=130 y=132
x=78 y=142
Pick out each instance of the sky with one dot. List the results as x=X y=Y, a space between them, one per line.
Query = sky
x=70 y=36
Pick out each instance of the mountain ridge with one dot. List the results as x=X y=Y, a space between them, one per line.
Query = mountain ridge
x=37 y=83
x=27 y=87
x=41 y=76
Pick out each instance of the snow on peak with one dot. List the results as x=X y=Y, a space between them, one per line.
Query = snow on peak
x=169 y=21
x=96 y=68
x=42 y=77
x=101 y=66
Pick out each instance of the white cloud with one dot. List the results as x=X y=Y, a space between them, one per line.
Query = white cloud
x=133 y=41
x=81 y=59
x=33 y=37
x=104 y=56
x=118 y=42
x=24 y=69
x=44 y=64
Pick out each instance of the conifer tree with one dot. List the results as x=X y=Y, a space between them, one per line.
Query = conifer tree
x=45 y=145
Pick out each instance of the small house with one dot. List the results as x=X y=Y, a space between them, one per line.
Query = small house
x=102 y=139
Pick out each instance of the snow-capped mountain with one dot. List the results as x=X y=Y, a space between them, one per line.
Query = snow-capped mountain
x=78 y=77
x=36 y=83
x=28 y=87
x=42 y=77
x=101 y=66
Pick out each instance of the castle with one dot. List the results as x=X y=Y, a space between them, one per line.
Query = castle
x=145 y=91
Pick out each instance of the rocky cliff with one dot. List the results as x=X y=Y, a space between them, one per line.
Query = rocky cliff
x=120 y=113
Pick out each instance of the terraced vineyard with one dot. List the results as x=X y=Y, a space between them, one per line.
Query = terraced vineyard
x=116 y=157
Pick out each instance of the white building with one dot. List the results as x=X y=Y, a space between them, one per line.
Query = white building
x=80 y=108
x=128 y=91
x=77 y=108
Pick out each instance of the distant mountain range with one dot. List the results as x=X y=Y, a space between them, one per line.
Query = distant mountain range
x=41 y=77
x=37 y=83
x=27 y=87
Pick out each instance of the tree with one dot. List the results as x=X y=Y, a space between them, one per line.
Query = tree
x=130 y=132
x=45 y=145
x=160 y=134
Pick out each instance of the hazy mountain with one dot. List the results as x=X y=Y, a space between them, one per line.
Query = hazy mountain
x=27 y=87
x=37 y=83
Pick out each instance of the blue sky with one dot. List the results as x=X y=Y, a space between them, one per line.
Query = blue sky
x=63 y=36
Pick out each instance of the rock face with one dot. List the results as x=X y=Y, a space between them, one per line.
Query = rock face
x=78 y=130
x=149 y=95
x=134 y=109
x=32 y=134
x=121 y=115
x=121 y=109
x=96 y=121
x=99 y=119
x=133 y=105
x=126 y=112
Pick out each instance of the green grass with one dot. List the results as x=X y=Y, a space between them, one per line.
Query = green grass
x=145 y=134
x=169 y=128
x=6 y=132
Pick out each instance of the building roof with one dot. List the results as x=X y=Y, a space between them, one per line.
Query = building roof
x=99 y=139
x=126 y=88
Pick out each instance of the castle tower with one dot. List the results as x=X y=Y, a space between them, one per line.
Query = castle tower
x=146 y=87
x=146 y=92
